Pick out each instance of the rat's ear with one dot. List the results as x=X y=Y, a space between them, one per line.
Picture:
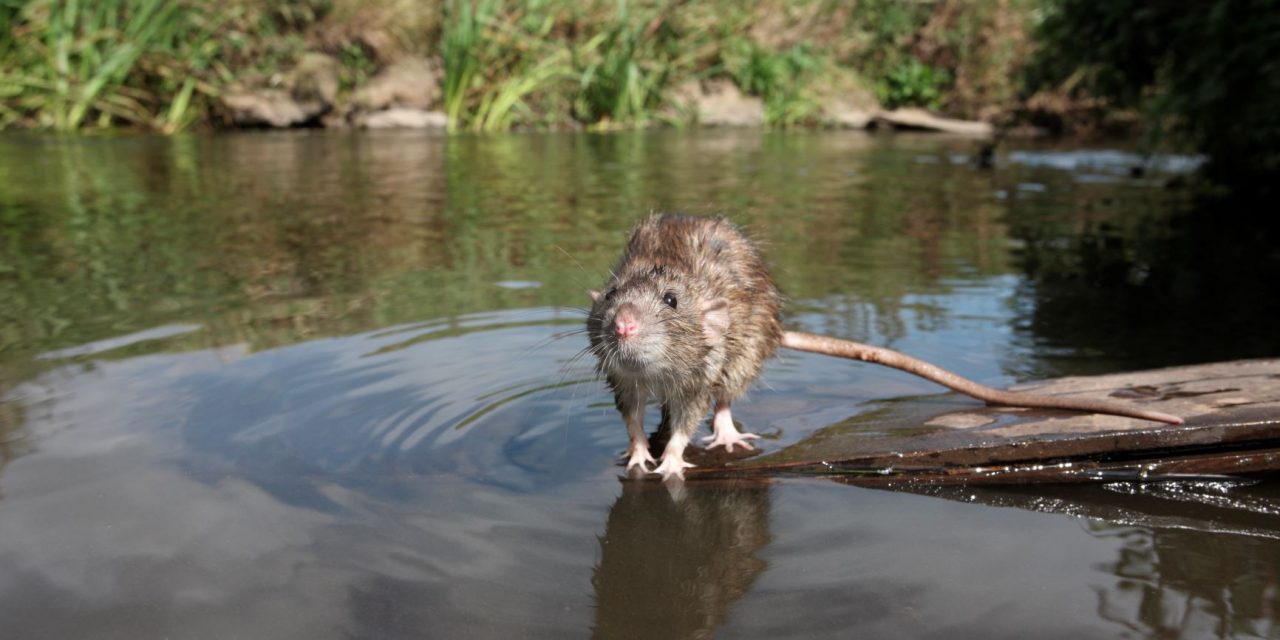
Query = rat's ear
x=595 y=295
x=715 y=320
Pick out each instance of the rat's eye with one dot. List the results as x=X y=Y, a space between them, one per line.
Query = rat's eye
x=670 y=299
x=608 y=295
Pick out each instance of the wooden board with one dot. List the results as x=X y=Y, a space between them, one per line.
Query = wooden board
x=1232 y=413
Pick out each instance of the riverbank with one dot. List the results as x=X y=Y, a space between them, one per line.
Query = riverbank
x=492 y=66
x=1054 y=67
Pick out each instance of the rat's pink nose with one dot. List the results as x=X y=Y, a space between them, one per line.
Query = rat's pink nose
x=625 y=324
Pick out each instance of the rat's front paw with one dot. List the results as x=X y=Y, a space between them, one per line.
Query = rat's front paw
x=640 y=457
x=672 y=467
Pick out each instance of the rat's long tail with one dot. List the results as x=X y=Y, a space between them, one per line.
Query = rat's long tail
x=867 y=353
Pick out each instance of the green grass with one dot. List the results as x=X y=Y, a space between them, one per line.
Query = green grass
x=67 y=65
x=622 y=70
x=79 y=63
x=781 y=78
x=461 y=49
x=495 y=62
x=161 y=64
x=913 y=84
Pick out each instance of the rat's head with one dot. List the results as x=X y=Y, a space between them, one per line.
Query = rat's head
x=650 y=320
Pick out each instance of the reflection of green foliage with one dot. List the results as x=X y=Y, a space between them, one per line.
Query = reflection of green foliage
x=100 y=253
x=269 y=240
x=14 y=439
x=913 y=83
x=1205 y=71
x=24 y=257
x=106 y=239
x=879 y=242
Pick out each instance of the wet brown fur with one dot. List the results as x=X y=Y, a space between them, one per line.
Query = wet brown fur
x=699 y=259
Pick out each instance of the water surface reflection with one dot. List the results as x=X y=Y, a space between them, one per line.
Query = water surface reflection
x=674 y=561
x=317 y=385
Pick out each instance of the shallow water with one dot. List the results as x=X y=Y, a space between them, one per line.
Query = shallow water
x=322 y=385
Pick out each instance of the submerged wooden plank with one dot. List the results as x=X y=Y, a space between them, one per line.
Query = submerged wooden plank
x=1235 y=508
x=1232 y=411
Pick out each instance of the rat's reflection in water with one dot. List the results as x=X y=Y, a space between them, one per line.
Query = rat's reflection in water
x=674 y=561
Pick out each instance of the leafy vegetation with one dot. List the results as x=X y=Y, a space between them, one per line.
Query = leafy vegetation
x=107 y=61
x=783 y=79
x=494 y=62
x=913 y=83
x=153 y=64
x=357 y=67
x=161 y=65
x=622 y=70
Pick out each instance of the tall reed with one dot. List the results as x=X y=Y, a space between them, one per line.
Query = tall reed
x=102 y=62
x=494 y=62
x=622 y=70
x=461 y=48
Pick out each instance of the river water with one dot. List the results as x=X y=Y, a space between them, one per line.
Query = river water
x=325 y=385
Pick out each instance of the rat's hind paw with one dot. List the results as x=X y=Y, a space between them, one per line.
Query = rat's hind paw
x=729 y=438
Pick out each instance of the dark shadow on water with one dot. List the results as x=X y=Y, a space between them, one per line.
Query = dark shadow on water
x=1151 y=288
x=675 y=560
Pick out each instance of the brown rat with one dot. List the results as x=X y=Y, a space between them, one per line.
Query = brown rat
x=688 y=318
